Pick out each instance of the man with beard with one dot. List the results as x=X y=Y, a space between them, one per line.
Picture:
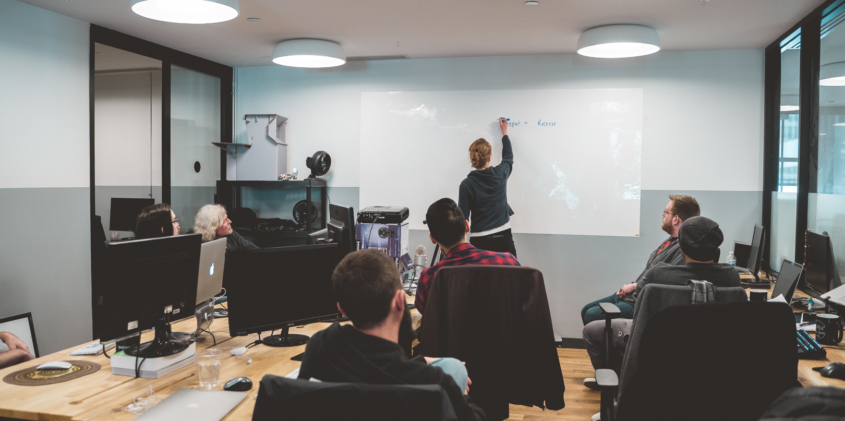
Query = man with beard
x=679 y=209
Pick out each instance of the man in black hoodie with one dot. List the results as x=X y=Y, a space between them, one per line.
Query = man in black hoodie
x=369 y=291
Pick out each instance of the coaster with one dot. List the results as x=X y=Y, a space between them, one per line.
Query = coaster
x=33 y=377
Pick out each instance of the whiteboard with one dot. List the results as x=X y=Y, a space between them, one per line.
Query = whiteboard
x=577 y=154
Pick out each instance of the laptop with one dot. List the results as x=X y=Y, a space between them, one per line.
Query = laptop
x=790 y=273
x=194 y=405
x=212 y=259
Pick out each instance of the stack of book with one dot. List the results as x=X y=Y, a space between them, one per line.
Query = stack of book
x=152 y=368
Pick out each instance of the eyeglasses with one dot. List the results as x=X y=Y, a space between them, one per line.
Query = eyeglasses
x=176 y=221
x=667 y=213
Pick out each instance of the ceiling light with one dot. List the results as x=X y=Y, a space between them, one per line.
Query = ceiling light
x=788 y=103
x=254 y=19
x=832 y=74
x=311 y=53
x=618 y=41
x=187 y=11
x=532 y=3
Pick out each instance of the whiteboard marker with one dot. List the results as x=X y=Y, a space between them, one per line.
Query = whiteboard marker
x=506 y=119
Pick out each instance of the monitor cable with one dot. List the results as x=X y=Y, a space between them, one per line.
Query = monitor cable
x=370 y=235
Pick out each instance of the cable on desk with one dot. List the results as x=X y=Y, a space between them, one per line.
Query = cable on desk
x=106 y=354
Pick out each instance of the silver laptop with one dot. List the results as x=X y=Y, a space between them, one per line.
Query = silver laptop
x=212 y=259
x=194 y=405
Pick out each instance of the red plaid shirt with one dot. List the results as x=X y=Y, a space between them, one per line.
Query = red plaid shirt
x=460 y=255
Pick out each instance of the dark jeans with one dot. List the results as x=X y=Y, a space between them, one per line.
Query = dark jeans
x=501 y=242
x=592 y=312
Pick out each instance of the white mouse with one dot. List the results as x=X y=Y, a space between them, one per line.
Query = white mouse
x=55 y=365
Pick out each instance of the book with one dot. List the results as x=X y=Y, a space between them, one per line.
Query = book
x=147 y=374
x=122 y=361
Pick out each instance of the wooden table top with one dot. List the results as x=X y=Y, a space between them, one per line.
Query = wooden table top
x=835 y=353
x=101 y=392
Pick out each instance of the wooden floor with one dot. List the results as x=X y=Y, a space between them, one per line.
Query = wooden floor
x=581 y=403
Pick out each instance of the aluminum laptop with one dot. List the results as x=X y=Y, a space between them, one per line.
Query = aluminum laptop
x=194 y=405
x=212 y=258
x=790 y=273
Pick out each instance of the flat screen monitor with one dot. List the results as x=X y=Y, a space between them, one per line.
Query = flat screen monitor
x=124 y=212
x=276 y=288
x=341 y=228
x=148 y=283
x=822 y=274
x=790 y=273
x=755 y=256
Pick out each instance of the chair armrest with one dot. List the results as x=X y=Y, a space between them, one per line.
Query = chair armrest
x=610 y=310
x=606 y=379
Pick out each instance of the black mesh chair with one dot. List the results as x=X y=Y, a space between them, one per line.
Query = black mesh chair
x=281 y=398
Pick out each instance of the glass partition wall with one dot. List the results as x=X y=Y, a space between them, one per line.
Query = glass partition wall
x=805 y=136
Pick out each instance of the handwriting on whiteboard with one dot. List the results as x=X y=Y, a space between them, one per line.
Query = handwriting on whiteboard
x=540 y=123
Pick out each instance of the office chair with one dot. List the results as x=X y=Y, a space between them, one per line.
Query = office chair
x=716 y=361
x=652 y=299
x=301 y=400
x=497 y=320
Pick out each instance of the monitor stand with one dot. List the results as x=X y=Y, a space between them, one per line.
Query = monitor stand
x=284 y=339
x=161 y=346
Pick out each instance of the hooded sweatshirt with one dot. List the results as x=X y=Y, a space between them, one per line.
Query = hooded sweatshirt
x=345 y=354
x=483 y=195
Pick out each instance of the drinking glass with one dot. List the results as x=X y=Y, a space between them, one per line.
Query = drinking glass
x=208 y=364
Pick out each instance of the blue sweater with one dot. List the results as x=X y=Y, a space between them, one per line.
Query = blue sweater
x=483 y=195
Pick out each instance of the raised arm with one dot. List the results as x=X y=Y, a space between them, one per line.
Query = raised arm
x=507 y=149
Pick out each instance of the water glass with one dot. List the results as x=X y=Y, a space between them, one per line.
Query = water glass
x=208 y=364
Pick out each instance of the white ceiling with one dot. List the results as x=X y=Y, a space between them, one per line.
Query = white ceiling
x=448 y=28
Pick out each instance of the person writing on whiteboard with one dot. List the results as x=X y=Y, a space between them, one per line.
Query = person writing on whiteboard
x=483 y=196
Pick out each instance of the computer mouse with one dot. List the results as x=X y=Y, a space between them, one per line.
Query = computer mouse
x=832 y=370
x=238 y=384
x=55 y=365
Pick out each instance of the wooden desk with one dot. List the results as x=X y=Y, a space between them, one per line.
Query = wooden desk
x=835 y=353
x=84 y=397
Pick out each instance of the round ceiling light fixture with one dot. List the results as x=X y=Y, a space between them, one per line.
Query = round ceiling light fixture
x=832 y=74
x=310 y=53
x=788 y=103
x=532 y=3
x=187 y=11
x=618 y=41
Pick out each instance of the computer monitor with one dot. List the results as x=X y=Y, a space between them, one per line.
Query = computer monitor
x=820 y=263
x=755 y=256
x=276 y=288
x=341 y=228
x=124 y=212
x=790 y=273
x=148 y=283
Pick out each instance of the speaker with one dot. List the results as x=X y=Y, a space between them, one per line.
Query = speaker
x=742 y=251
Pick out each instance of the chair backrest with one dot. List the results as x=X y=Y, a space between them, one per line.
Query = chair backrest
x=720 y=361
x=653 y=299
x=295 y=400
x=497 y=320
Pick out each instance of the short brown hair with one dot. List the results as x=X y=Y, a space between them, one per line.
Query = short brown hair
x=446 y=222
x=479 y=153
x=154 y=221
x=684 y=206
x=364 y=283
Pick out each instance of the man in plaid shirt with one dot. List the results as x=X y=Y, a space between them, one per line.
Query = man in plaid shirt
x=447 y=228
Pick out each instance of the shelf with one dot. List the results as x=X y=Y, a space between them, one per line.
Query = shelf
x=286 y=184
x=225 y=145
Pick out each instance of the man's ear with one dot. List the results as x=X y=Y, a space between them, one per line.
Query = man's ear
x=433 y=241
x=466 y=228
x=399 y=300
x=341 y=310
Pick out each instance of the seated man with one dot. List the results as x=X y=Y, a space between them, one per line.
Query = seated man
x=699 y=238
x=448 y=229
x=13 y=350
x=680 y=208
x=369 y=291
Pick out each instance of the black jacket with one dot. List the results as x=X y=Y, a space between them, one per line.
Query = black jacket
x=720 y=275
x=236 y=242
x=344 y=354
x=483 y=195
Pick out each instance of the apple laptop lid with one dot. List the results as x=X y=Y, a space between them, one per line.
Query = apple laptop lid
x=194 y=405
x=790 y=273
x=212 y=258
